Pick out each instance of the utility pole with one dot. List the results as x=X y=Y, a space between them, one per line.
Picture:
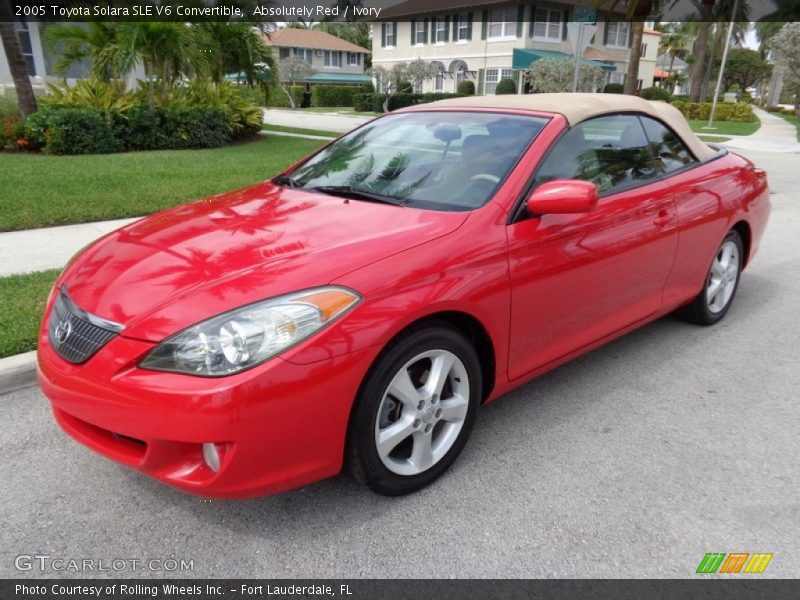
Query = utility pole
x=722 y=66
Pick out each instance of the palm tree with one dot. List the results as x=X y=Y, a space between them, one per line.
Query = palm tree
x=97 y=41
x=636 y=11
x=168 y=51
x=673 y=44
x=16 y=61
x=233 y=47
x=705 y=8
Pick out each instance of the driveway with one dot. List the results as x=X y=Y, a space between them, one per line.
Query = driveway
x=312 y=120
x=632 y=461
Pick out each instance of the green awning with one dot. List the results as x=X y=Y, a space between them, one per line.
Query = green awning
x=242 y=76
x=354 y=78
x=525 y=57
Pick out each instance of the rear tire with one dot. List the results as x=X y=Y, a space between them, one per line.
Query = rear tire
x=722 y=281
x=415 y=410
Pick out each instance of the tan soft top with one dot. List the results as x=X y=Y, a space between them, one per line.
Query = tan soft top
x=579 y=107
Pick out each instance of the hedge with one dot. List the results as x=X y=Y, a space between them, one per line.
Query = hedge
x=333 y=95
x=655 y=93
x=374 y=102
x=278 y=99
x=613 y=88
x=726 y=111
x=94 y=131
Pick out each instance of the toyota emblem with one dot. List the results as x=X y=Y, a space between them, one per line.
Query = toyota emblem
x=63 y=330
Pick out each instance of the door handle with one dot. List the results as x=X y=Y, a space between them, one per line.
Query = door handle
x=664 y=218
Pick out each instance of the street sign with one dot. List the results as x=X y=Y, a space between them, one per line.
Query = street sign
x=579 y=35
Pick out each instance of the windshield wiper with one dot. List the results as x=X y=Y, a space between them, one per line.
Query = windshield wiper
x=348 y=191
x=287 y=180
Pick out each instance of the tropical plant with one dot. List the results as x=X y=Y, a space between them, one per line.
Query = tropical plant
x=555 y=75
x=91 y=93
x=16 y=61
x=233 y=47
x=673 y=43
x=96 y=41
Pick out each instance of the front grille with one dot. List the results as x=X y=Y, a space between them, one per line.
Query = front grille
x=75 y=334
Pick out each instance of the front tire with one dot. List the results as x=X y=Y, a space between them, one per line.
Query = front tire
x=415 y=410
x=722 y=281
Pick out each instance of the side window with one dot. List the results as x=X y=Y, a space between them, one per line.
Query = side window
x=611 y=152
x=670 y=152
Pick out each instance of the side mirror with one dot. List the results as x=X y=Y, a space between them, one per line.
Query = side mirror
x=562 y=196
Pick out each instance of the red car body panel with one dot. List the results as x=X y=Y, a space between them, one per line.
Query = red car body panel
x=540 y=290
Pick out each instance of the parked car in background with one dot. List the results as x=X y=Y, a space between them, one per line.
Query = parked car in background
x=360 y=307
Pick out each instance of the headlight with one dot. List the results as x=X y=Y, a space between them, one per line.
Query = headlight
x=247 y=336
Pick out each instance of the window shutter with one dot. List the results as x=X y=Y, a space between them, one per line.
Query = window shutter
x=413 y=32
x=469 y=26
x=520 y=19
x=481 y=77
x=447 y=29
x=630 y=35
x=605 y=33
x=455 y=28
x=383 y=35
x=563 y=19
x=425 y=31
x=484 y=24
x=532 y=21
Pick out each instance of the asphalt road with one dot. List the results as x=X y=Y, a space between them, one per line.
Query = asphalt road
x=632 y=461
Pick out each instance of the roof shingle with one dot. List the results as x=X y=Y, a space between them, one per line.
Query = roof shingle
x=310 y=38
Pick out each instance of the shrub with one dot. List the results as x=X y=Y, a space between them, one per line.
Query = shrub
x=94 y=131
x=366 y=88
x=466 y=88
x=613 y=88
x=726 y=111
x=333 y=95
x=90 y=93
x=278 y=99
x=655 y=93
x=8 y=108
x=11 y=132
x=505 y=86
x=402 y=100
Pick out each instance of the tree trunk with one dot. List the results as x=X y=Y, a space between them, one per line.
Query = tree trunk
x=671 y=74
x=632 y=77
x=711 y=61
x=700 y=51
x=16 y=61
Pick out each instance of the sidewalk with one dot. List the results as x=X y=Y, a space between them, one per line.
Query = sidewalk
x=49 y=248
x=312 y=120
x=774 y=135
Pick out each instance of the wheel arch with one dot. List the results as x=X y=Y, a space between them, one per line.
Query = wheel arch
x=742 y=227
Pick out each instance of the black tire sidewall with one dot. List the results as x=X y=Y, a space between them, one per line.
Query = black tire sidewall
x=362 y=448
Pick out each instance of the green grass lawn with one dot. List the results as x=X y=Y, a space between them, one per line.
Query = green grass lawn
x=23 y=298
x=726 y=127
x=270 y=127
x=41 y=191
x=714 y=139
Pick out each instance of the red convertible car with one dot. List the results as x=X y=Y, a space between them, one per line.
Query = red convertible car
x=360 y=307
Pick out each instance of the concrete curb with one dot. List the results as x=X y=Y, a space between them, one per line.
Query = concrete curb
x=17 y=372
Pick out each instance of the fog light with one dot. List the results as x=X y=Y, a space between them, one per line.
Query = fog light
x=211 y=456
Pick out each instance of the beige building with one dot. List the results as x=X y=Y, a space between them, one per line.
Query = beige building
x=647 y=62
x=484 y=42
x=333 y=59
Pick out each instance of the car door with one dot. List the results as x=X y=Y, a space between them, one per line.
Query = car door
x=577 y=278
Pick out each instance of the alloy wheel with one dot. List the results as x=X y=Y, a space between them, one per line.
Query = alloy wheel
x=723 y=276
x=422 y=412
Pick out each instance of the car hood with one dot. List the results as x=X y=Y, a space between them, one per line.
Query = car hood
x=175 y=268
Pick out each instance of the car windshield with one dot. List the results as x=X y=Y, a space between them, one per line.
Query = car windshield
x=450 y=161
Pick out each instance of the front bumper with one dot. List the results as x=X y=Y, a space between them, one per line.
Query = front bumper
x=279 y=425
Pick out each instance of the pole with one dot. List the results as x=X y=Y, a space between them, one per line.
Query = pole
x=722 y=66
x=578 y=59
